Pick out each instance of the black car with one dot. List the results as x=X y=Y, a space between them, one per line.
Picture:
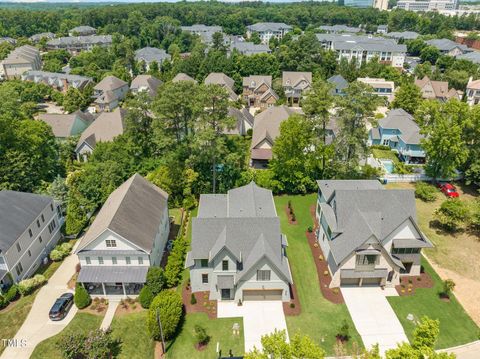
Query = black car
x=61 y=307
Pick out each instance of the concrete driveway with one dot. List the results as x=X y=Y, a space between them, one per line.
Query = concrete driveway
x=374 y=318
x=259 y=318
x=37 y=326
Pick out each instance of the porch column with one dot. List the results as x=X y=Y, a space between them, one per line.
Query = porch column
x=103 y=287
x=123 y=287
x=360 y=283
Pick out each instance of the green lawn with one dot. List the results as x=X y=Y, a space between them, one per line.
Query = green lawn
x=385 y=154
x=82 y=322
x=132 y=331
x=219 y=330
x=456 y=327
x=320 y=318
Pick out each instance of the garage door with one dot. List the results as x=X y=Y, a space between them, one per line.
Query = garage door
x=349 y=282
x=371 y=281
x=267 y=294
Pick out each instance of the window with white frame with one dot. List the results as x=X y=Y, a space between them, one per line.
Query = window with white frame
x=110 y=243
x=140 y=260
x=100 y=260
x=88 y=260
x=127 y=260
x=114 y=260
x=263 y=275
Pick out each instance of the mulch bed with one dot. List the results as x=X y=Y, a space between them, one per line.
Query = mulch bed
x=203 y=305
x=289 y=216
x=98 y=306
x=417 y=281
x=127 y=307
x=333 y=295
x=287 y=309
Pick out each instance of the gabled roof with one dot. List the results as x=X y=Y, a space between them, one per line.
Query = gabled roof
x=446 y=45
x=407 y=35
x=440 y=88
x=360 y=42
x=80 y=41
x=133 y=211
x=268 y=26
x=105 y=128
x=249 y=48
x=219 y=78
x=245 y=223
x=403 y=121
x=18 y=210
x=362 y=212
x=293 y=78
x=23 y=54
x=183 y=77
x=473 y=85
x=63 y=124
x=255 y=81
x=339 y=82
x=151 y=54
x=242 y=116
x=148 y=82
x=473 y=56
x=83 y=29
x=339 y=28
x=110 y=83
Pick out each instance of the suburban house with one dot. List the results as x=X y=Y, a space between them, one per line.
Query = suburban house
x=382 y=29
x=337 y=29
x=268 y=30
x=203 y=31
x=400 y=132
x=148 y=55
x=105 y=128
x=58 y=81
x=436 y=90
x=295 y=85
x=473 y=56
x=127 y=237
x=44 y=35
x=238 y=251
x=8 y=39
x=473 y=92
x=29 y=229
x=248 y=48
x=82 y=31
x=368 y=235
x=258 y=91
x=67 y=125
x=22 y=59
x=76 y=44
x=219 y=78
x=244 y=121
x=381 y=87
x=364 y=48
x=403 y=35
x=266 y=127
x=145 y=83
x=448 y=47
x=183 y=77
x=339 y=84
x=109 y=92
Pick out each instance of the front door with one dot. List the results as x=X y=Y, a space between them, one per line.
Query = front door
x=226 y=294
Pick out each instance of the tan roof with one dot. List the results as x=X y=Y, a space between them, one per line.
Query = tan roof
x=62 y=124
x=105 y=128
x=256 y=80
x=440 y=88
x=219 y=78
x=183 y=77
x=147 y=81
x=267 y=123
x=23 y=54
x=134 y=211
x=292 y=78
x=474 y=85
x=110 y=83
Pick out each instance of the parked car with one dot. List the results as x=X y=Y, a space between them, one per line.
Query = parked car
x=448 y=189
x=61 y=307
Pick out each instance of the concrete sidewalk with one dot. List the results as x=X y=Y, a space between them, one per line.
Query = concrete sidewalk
x=38 y=326
x=112 y=307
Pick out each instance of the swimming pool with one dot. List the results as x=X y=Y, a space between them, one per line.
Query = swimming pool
x=388 y=165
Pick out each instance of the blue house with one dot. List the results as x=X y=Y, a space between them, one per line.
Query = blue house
x=399 y=131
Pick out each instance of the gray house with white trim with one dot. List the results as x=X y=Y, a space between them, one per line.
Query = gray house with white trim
x=238 y=250
x=128 y=236
x=368 y=235
x=29 y=229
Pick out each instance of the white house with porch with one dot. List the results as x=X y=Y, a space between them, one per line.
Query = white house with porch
x=128 y=236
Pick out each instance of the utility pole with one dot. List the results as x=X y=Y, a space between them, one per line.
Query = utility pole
x=161 y=332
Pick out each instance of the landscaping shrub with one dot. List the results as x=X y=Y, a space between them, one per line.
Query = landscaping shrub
x=426 y=192
x=344 y=331
x=170 y=309
x=11 y=294
x=448 y=286
x=3 y=302
x=60 y=251
x=27 y=286
x=175 y=263
x=201 y=335
x=82 y=298
x=292 y=305
x=145 y=297
x=310 y=229
x=97 y=343
x=193 y=299
x=452 y=214
x=56 y=255
x=155 y=280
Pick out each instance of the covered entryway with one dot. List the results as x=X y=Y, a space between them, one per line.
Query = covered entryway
x=262 y=294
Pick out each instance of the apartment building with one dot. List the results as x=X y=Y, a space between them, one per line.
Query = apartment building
x=381 y=87
x=268 y=30
x=76 y=44
x=22 y=59
x=427 y=5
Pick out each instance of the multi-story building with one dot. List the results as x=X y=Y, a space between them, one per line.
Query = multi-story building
x=295 y=85
x=473 y=92
x=58 y=81
x=67 y=125
x=427 y=5
x=22 y=59
x=248 y=48
x=44 y=35
x=76 y=44
x=203 y=31
x=436 y=90
x=338 y=29
x=364 y=48
x=127 y=237
x=404 y=35
x=268 y=30
x=82 y=31
x=258 y=91
x=448 y=47
x=220 y=79
x=29 y=229
x=109 y=92
x=148 y=55
x=145 y=83
x=381 y=87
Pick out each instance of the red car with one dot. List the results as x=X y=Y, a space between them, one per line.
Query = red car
x=448 y=189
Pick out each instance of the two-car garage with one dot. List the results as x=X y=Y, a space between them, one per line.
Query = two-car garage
x=360 y=282
x=262 y=294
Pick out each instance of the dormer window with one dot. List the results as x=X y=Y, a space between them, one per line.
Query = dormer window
x=225 y=265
